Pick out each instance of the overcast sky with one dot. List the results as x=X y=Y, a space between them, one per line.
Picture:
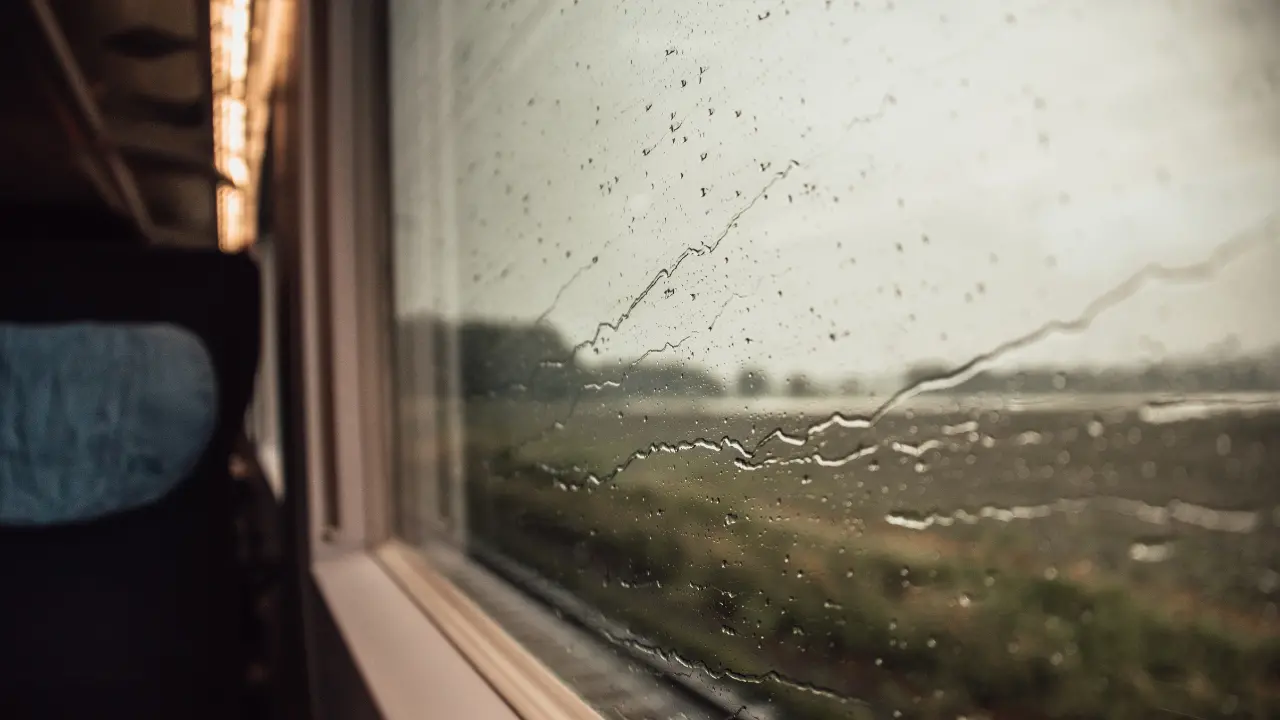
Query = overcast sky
x=966 y=173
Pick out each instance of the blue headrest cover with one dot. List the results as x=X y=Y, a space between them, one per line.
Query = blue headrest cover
x=96 y=419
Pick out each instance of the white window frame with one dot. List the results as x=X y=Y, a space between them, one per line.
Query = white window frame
x=423 y=647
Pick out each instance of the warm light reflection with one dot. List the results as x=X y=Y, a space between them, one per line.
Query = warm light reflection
x=247 y=41
x=231 y=213
x=238 y=171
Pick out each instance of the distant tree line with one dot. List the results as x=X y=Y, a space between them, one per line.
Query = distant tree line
x=533 y=361
x=1237 y=374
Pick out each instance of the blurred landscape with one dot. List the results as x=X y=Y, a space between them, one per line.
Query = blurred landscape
x=1048 y=542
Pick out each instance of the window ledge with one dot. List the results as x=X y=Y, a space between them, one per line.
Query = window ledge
x=521 y=679
x=411 y=668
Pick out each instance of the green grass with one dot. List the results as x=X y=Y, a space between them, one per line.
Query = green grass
x=791 y=579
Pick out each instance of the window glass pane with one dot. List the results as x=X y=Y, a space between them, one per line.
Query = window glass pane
x=851 y=359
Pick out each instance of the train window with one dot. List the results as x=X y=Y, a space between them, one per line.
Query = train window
x=850 y=359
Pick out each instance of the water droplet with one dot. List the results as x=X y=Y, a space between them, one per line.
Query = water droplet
x=1094 y=428
x=1151 y=551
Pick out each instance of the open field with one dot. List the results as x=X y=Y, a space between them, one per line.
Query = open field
x=1076 y=558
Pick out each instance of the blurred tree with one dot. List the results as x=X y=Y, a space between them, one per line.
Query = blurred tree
x=799 y=385
x=752 y=382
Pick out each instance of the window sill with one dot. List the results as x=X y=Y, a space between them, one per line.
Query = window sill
x=421 y=643
x=410 y=667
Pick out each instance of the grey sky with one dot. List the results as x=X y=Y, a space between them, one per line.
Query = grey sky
x=967 y=172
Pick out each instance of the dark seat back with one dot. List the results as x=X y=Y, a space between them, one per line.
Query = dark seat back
x=125 y=374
